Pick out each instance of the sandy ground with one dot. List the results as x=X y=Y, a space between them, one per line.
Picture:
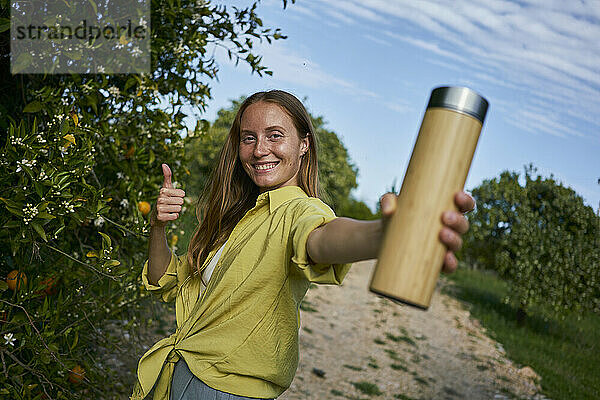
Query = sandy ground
x=356 y=345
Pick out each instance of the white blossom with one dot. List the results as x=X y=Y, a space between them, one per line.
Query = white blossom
x=120 y=175
x=17 y=140
x=26 y=163
x=99 y=221
x=10 y=339
x=68 y=207
x=124 y=203
x=114 y=91
x=30 y=212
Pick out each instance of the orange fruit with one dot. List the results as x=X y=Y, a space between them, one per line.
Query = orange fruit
x=14 y=276
x=144 y=207
x=76 y=374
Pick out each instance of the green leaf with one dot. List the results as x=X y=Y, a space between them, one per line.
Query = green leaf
x=10 y=203
x=39 y=230
x=38 y=189
x=75 y=340
x=45 y=356
x=17 y=211
x=32 y=107
x=12 y=224
x=45 y=215
x=106 y=242
x=3 y=286
x=130 y=82
x=93 y=102
x=59 y=230
x=14 y=246
x=151 y=157
x=64 y=126
x=112 y=263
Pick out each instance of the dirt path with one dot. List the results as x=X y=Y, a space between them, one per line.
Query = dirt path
x=354 y=345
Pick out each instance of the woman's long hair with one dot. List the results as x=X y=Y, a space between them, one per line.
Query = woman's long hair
x=230 y=192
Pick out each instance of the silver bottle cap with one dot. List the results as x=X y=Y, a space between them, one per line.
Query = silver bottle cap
x=459 y=99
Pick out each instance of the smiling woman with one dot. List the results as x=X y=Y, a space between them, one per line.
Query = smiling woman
x=271 y=149
x=263 y=236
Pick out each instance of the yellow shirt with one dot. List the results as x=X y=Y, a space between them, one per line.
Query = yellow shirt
x=241 y=334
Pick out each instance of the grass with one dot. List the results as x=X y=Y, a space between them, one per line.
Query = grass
x=393 y=355
x=400 y=339
x=307 y=306
x=563 y=352
x=422 y=381
x=367 y=388
x=403 y=397
x=353 y=367
x=399 y=367
x=373 y=363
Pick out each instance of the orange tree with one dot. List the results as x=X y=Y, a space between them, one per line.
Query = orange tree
x=541 y=238
x=77 y=153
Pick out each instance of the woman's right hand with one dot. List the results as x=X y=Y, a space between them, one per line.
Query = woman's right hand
x=169 y=202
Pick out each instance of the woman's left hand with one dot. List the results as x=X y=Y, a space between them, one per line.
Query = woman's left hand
x=456 y=224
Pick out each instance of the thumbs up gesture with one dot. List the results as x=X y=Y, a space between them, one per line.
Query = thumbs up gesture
x=169 y=202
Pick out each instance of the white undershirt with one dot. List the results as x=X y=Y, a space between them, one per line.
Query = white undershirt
x=207 y=273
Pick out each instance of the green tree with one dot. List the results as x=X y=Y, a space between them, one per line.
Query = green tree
x=542 y=238
x=78 y=153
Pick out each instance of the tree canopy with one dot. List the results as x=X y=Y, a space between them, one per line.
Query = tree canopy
x=541 y=237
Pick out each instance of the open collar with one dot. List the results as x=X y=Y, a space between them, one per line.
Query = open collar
x=278 y=196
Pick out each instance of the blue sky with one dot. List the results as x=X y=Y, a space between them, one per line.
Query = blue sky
x=369 y=66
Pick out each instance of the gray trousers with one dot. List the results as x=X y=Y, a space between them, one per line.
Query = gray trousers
x=186 y=386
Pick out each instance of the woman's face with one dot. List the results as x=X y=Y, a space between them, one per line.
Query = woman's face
x=270 y=148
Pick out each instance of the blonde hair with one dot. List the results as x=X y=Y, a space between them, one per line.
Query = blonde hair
x=230 y=192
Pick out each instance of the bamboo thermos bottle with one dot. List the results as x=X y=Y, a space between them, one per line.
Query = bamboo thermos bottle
x=411 y=255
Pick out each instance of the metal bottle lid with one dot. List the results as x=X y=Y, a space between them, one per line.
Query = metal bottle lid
x=459 y=99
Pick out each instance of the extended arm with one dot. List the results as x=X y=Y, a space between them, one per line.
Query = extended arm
x=345 y=240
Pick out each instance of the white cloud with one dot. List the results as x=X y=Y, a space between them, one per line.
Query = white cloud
x=377 y=40
x=357 y=10
x=303 y=10
x=432 y=47
x=290 y=67
x=400 y=107
x=549 y=50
